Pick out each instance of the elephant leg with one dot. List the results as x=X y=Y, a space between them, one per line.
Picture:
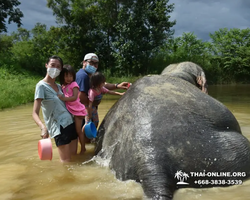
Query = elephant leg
x=154 y=188
x=156 y=183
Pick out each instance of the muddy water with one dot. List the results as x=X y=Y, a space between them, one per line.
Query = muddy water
x=23 y=176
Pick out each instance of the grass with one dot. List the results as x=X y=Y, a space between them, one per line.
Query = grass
x=17 y=89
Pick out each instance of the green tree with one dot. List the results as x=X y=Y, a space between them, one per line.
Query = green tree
x=21 y=34
x=190 y=47
x=8 y=9
x=48 y=43
x=44 y=43
x=231 y=49
x=125 y=34
x=22 y=50
x=6 y=43
x=185 y=48
x=80 y=32
x=141 y=28
x=30 y=49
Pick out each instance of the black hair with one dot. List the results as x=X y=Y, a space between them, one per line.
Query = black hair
x=67 y=69
x=57 y=58
x=97 y=79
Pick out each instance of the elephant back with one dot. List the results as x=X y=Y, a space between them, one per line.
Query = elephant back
x=188 y=71
x=164 y=124
x=156 y=105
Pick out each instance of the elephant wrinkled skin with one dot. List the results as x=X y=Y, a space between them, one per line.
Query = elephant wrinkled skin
x=165 y=124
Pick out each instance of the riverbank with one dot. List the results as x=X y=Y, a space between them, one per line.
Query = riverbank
x=18 y=89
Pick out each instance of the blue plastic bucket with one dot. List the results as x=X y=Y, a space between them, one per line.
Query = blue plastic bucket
x=90 y=130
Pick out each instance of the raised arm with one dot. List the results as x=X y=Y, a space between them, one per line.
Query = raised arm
x=123 y=85
x=116 y=93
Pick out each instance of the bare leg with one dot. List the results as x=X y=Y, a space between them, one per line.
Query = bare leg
x=87 y=140
x=73 y=146
x=78 y=123
x=64 y=153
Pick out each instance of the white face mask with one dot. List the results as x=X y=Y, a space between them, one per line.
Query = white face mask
x=53 y=72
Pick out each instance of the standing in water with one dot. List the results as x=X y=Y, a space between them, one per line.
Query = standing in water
x=59 y=122
x=97 y=89
x=72 y=101
x=90 y=65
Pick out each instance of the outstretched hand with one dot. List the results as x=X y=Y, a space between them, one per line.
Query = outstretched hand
x=123 y=85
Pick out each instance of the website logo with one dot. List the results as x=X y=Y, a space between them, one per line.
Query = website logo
x=210 y=178
x=181 y=176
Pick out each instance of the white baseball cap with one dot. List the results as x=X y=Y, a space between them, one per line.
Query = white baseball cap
x=91 y=56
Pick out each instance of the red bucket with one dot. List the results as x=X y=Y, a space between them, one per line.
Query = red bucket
x=45 y=149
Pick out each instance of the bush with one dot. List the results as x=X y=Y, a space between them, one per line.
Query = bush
x=16 y=89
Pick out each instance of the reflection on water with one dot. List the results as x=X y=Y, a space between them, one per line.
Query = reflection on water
x=24 y=176
x=237 y=99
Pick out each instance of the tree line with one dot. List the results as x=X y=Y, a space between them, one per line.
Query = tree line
x=132 y=38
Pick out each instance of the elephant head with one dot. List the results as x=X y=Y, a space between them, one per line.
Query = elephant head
x=188 y=71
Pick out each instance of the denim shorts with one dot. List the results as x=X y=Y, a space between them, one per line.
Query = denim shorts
x=67 y=135
x=95 y=117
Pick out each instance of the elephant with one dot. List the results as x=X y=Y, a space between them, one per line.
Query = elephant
x=166 y=126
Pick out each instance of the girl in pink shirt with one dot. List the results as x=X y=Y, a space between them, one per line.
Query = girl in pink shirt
x=97 y=89
x=72 y=101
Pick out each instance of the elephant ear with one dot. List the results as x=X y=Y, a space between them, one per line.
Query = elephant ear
x=202 y=82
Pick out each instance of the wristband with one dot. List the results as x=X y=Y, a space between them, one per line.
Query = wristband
x=116 y=85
